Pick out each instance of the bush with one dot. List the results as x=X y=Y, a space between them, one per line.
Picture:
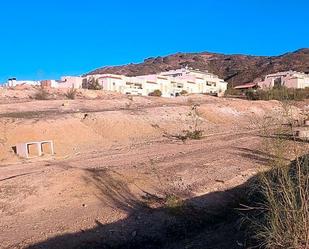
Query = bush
x=278 y=93
x=195 y=134
x=93 y=84
x=41 y=94
x=71 y=93
x=183 y=92
x=252 y=95
x=281 y=199
x=233 y=91
x=156 y=93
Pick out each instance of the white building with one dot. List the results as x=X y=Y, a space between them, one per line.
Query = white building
x=289 y=79
x=171 y=83
x=65 y=82
x=71 y=82
x=13 y=82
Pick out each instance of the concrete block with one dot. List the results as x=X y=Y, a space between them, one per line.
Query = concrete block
x=35 y=149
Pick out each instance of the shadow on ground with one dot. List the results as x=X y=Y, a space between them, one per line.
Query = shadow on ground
x=212 y=218
x=255 y=155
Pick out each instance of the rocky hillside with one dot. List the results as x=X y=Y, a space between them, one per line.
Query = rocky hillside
x=235 y=69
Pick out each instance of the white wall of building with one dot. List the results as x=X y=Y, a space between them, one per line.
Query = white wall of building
x=289 y=79
x=169 y=83
x=71 y=82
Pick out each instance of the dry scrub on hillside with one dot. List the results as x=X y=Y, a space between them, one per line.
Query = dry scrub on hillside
x=278 y=203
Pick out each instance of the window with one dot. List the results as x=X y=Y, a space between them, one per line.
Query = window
x=277 y=82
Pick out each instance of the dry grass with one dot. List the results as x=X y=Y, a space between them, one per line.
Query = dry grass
x=71 y=93
x=279 y=198
x=41 y=94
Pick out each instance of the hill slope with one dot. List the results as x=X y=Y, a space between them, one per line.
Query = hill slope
x=235 y=69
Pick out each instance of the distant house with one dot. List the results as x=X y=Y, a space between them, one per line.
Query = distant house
x=289 y=79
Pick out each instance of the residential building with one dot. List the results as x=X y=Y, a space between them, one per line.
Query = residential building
x=70 y=82
x=197 y=81
x=289 y=79
x=171 y=83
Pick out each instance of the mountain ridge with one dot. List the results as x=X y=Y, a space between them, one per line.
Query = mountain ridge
x=236 y=69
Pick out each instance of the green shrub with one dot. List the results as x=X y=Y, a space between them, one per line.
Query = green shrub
x=156 y=93
x=252 y=95
x=278 y=93
x=174 y=204
x=93 y=84
x=232 y=91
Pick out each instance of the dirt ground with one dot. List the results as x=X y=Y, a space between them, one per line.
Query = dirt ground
x=119 y=165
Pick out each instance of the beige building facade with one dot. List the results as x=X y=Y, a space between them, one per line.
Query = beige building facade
x=171 y=83
x=289 y=79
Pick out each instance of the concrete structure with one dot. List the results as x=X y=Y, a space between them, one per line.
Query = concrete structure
x=170 y=83
x=33 y=149
x=289 y=79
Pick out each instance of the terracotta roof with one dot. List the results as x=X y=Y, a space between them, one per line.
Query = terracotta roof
x=246 y=86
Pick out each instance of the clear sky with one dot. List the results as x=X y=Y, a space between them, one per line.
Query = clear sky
x=46 y=39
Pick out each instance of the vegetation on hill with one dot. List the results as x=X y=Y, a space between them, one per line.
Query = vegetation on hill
x=281 y=93
x=277 y=93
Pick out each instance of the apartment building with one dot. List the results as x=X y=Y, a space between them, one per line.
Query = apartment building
x=170 y=83
x=289 y=79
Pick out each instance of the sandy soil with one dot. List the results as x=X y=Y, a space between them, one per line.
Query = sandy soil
x=116 y=160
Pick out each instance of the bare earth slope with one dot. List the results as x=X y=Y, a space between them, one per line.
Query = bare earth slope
x=235 y=69
x=116 y=160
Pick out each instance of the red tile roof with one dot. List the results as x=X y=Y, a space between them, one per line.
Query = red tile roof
x=246 y=86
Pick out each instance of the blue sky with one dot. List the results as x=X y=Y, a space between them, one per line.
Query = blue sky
x=47 y=39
